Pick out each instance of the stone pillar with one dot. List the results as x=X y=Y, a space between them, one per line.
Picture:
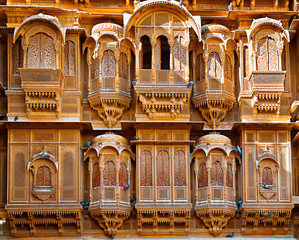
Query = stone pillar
x=154 y=45
x=171 y=72
x=90 y=171
x=101 y=164
x=117 y=59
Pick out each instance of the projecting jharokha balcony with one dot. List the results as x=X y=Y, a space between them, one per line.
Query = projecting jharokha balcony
x=42 y=87
x=267 y=88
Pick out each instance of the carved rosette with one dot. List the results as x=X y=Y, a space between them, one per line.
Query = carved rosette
x=163 y=103
x=110 y=108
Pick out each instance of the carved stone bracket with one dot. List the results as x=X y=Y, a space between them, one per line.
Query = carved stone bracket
x=215 y=220
x=109 y=107
x=213 y=109
x=165 y=103
x=276 y=223
x=163 y=216
x=110 y=221
x=59 y=217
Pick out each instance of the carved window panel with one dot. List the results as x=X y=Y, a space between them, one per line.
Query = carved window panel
x=94 y=69
x=41 y=51
x=69 y=58
x=216 y=174
x=108 y=64
x=163 y=171
x=267 y=55
x=43 y=176
x=96 y=175
x=17 y=57
x=284 y=59
x=229 y=175
x=146 y=168
x=214 y=66
x=123 y=66
x=108 y=70
x=179 y=168
x=246 y=61
x=202 y=176
x=109 y=174
x=267 y=177
x=164 y=53
x=123 y=175
x=200 y=68
x=179 y=54
x=228 y=68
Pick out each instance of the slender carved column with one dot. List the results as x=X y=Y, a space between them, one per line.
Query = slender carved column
x=186 y=45
x=137 y=63
x=25 y=47
x=154 y=45
x=224 y=167
x=117 y=179
x=101 y=178
x=196 y=179
x=89 y=69
x=100 y=70
x=209 y=167
x=205 y=56
x=171 y=72
x=117 y=59
x=90 y=171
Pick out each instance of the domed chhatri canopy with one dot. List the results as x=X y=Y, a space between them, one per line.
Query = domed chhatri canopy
x=215 y=140
x=110 y=139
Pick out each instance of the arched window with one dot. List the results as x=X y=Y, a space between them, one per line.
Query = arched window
x=228 y=68
x=123 y=66
x=164 y=52
x=214 y=66
x=109 y=174
x=202 y=176
x=43 y=176
x=179 y=54
x=96 y=175
x=229 y=175
x=17 y=57
x=41 y=51
x=216 y=174
x=146 y=168
x=69 y=58
x=108 y=69
x=163 y=178
x=267 y=55
x=267 y=176
x=123 y=175
x=179 y=168
x=146 y=60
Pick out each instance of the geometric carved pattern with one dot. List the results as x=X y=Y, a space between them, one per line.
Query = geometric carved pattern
x=214 y=66
x=229 y=175
x=17 y=57
x=96 y=175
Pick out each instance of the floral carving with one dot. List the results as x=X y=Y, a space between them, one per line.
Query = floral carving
x=69 y=58
x=202 y=176
x=123 y=175
x=179 y=168
x=146 y=168
x=216 y=174
x=109 y=174
x=163 y=178
x=96 y=175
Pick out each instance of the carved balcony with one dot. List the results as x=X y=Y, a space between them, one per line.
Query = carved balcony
x=166 y=96
x=110 y=190
x=110 y=104
x=42 y=87
x=214 y=104
x=215 y=181
x=266 y=90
